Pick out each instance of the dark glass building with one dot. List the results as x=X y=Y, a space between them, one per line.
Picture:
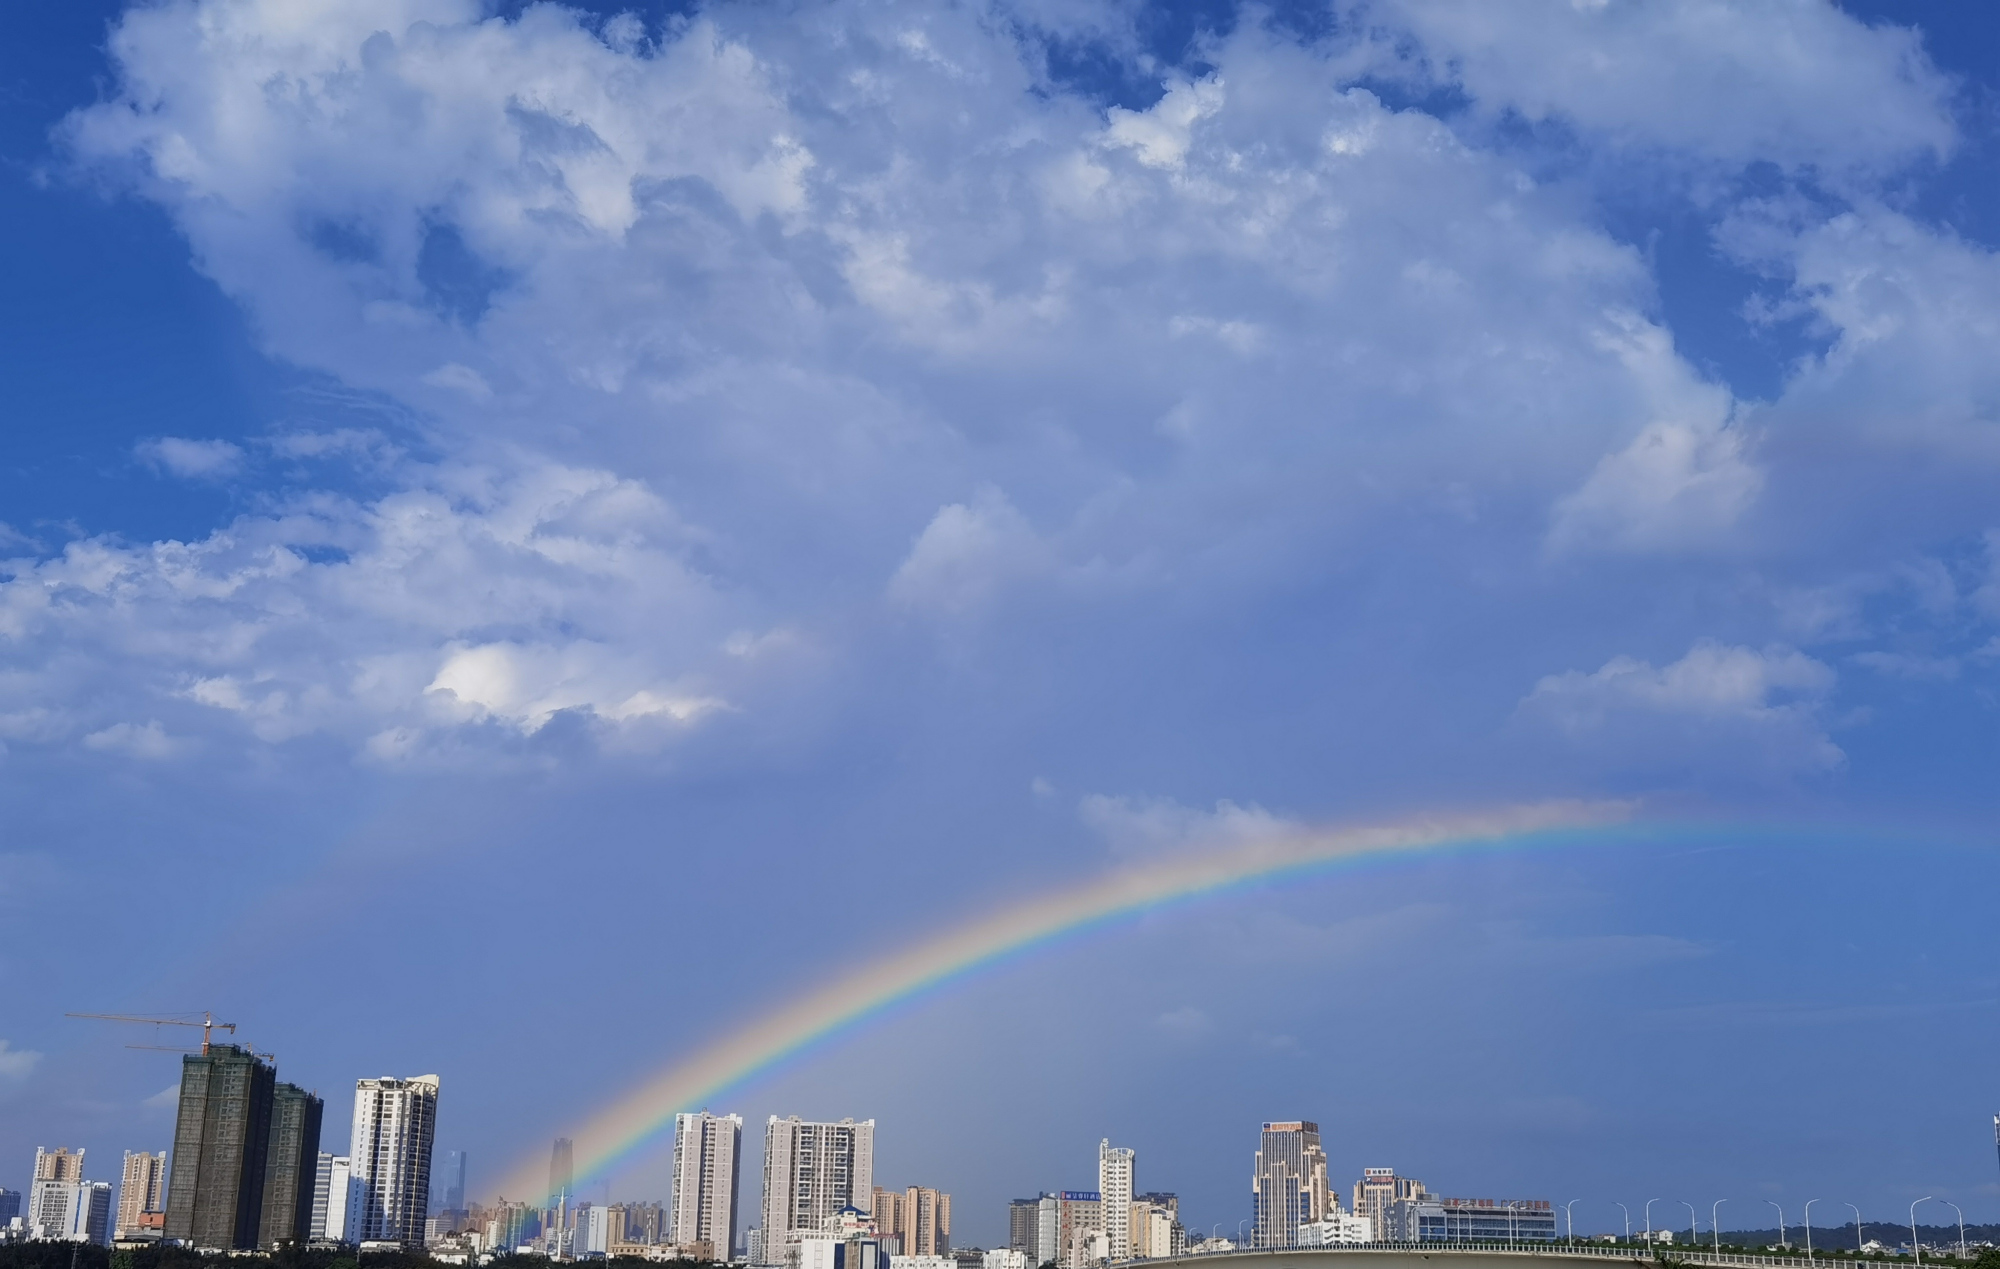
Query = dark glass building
x=222 y=1139
x=291 y=1165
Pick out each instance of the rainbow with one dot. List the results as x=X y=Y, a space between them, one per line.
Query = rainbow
x=627 y=1125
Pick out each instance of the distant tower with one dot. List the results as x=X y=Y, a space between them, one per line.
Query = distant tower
x=1288 y=1184
x=1114 y=1188
x=454 y=1181
x=811 y=1171
x=222 y=1136
x=702 y=1207
x=562 y=1170
x=142 y=1193
x=395 y=1122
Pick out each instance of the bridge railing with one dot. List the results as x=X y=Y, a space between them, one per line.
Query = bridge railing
x=1677 y=1254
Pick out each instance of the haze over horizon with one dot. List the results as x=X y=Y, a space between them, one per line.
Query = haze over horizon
x=537 y=534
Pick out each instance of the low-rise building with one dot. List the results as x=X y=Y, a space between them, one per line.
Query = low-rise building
x=1337 y=1229
x=1005 y=1258
x=1451 y=1220
x=848 y=1240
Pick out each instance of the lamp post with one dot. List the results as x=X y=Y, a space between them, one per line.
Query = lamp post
x=1781 y=1221
x=1916 y=1246
x=1628 y=1218
x=1857 y=1227
x=1511 y=1204
x=1961 y=1226
x=1694 y=1229
x=1649 y=1221
x=1715 y=1224
x=1239 y=1231
x=1809 y=1203
x=1570 y=1218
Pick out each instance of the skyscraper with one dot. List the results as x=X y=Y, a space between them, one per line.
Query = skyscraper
x=562 y=1170
x=291 y=1167
x=10 y=1204
x=454 y=1181
x=811 y=1171
x=142 y=1194
x=702 y=1206
x=1288 y=1183
x=395 y=1121
x=222 y=1133
x=1114 y=1188
x=919 y=1219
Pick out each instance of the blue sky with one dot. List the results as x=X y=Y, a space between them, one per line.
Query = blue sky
x=534 y=534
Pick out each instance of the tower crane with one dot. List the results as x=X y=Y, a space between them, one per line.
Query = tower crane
x=207 y=1024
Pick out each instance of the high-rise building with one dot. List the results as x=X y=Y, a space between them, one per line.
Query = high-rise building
x=333 y=1199
x=1287 y=1183
x=811 y=1172
x=222 y=1133
x=1022 y=1225
x=753 y=1246
x=702 y=1205
x=1376 y=1190
x=918 y=1220
x=10 y=1205
x=71 y=1211
x=59 y=1164
x=395 y=1121
x=646 y=1224
x=454 y=1181
x=291 y=1167
x=562 y=1170
x=142 y=1194
x=1114 y=1187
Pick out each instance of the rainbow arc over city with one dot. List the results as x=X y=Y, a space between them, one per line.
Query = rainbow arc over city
x=822 y=1015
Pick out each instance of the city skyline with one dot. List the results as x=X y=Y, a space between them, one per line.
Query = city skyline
x=1351 y=562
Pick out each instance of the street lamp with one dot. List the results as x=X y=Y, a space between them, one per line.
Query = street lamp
x=1914 y=1244
x=1961 y=1226
x=1715 y=1224
x=1570 y=1217
x=1694 y=1229
x=1781 y=1221
x=1649 y=1220
x=1857 y=1227
x=1239 y=1231
x=1628 y=1218
x=1809 y=1203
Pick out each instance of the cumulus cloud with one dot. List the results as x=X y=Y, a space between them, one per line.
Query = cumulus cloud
x=16 y=1064
x=192 y=460
x=809 y=322
x=1720 y=697
x=146 y=740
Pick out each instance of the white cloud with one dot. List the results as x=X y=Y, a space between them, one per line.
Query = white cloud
x=967 y=554
x=192 y=460
x=1723 y=699
x=1142 y=826
x=872 y=298
x=146 y=740
x=1797 y=83
x=16 y=1064
x=166 y=1099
